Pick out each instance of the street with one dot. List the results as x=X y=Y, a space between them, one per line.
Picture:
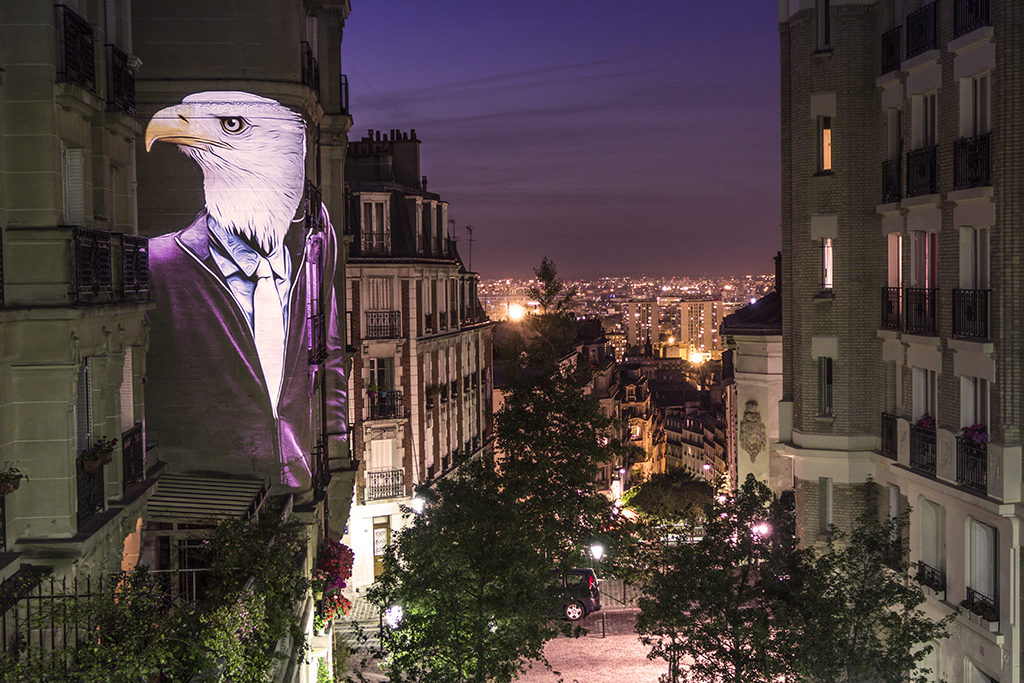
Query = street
x=593 y=659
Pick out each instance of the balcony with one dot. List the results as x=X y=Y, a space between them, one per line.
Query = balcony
x=134 y=265
x=891 y=189
x=922 y=30
x=386 y=405
x=891 y=308
x=922 y=171
x=384 y=484
x=75 y=54
x=313 y=207
x=971 y=162
x=972 y=465
x=375 y=243
x=428 y=322
x=93 y=266
x=453 y=319
x=889 y=444
x=931 y=577
x=922 y=449
x=969 y=15
x=982 y=605
x=920 y=311
x=133 y=455
x=890 y=51
x=383 y=325
x=120 y=82
x=970 y=313
x=321 y=470
x=90 y=492
x=310 y=69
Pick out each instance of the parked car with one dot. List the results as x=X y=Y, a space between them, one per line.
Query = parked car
x=577 y=592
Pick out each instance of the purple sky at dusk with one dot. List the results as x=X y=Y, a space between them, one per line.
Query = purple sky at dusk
x=616 y=138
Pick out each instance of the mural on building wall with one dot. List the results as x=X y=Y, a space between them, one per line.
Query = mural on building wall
x=241 y=322
x=752 y=430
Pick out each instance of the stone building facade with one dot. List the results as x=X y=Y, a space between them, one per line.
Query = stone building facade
x=902 y=284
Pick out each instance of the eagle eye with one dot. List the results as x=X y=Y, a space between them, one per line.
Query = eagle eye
x=233 y=124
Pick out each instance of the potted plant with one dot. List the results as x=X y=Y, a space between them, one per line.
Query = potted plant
x=97 y=455
x=10 y=479
x=371 y=389
x=976 y=434
x=926 y=421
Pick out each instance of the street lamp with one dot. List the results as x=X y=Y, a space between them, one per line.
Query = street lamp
x=597 y=551
x=761 y=529
x=418 y=504
x=393 y=616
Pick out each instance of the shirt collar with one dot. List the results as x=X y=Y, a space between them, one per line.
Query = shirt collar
x=233 y=255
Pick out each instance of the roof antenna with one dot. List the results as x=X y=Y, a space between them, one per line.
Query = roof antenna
x=469 y=229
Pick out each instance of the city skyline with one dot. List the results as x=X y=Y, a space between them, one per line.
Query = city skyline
x=672 y=149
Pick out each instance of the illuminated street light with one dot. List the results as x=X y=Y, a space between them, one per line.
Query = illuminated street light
x=418 y=504
x=393 y=616
x=761 y=529
x=707 y=467
x=597 y=551
x=516 y=312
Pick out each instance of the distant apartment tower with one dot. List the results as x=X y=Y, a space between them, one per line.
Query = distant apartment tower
x=698 y=328
x=420 y=384
x=903 y=277
x=642 y=318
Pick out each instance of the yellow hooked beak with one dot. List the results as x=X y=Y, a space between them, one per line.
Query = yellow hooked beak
x=175 y=125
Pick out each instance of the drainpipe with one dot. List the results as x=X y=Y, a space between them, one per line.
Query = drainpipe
x=1012 y=513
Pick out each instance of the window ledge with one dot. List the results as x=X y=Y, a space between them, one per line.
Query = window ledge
x=824 y=418
x=983 y=34
x=923 y=59
x=822 y=52
x=824 y=295
x=823 y=174
x=980 y=193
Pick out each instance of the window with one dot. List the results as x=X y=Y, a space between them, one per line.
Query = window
x=932 y=527
x=378 y=294
x=825 y=500
x=895 y=260
x=923 y=387
x=894 y=513
x=894 y=140
x=924 y=262
x=83 y=407
x=976 y=675
x=824 y=385
x=974 y=258
x=981 y=565
x=73 y=168
x=824 y=25
x=974 y=394
x=979 y=105
x=381 y=373
x=826 y=264
x=824 y=144
x=924 y=127
x=383 y=455
x=376 y=233
x=127 y=391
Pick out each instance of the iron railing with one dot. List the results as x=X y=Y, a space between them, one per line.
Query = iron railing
x=891 y=50
x=889 y=442
x=134 y=265
x=972 y=465
x=891 y=172
x=920 y=311
x=76 y=54
x=384 y=484
x=375 y=243
x=453 y=319
x=428 y=322
x=931 y=577
x=91 y=497
x=922 y=171
x=970 y=313
x=133 y=455
x=969 y=15
x=983 y=605
x=922 y=30
x=386 y=405
x=971 y=162
x=93 y=265
x=891 y=299
x=383 y=325
x=310 y=69
x=321 y=469
x=120 y=82
x=922 y=449
x=343 y=93
x=313 y=208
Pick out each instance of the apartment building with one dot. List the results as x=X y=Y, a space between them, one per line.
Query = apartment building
x=642 y=323
x=73 y=293
x=420 y=384
x=699 y=321
x=902 y=294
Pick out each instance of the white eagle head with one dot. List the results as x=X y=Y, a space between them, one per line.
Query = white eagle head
x=252 y=152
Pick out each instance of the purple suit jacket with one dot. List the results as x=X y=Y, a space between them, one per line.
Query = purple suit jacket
x=206 y=400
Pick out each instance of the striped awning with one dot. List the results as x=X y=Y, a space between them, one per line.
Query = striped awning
x=195 y=498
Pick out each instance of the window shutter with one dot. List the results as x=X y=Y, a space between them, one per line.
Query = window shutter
x=127 y=392
x=74 y=185
x=83 y=408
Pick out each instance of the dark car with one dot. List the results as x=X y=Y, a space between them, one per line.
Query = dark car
x=577 y=592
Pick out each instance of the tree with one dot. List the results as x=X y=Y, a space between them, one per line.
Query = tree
x=728 y=605
x=551 y=294
x=470 y=581
x=865 y=624
x=672 y=497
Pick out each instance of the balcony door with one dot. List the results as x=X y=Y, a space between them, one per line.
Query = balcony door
x=974 y=258
x=924 y=262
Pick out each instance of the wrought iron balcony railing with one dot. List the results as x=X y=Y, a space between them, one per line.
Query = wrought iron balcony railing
x=93 y=265
x=133 y=455
x=321 y=470
x=889 y=443
x=891 y=50
x=971 y=162
x=970 y=313
x=310 y=69
x=972 y=465
x=982 y=605
x=91 y=498
x=383 y=325
x=313 y=207
x=922 y=30
x=428 y=322
x=134 y=265
x=891 y=172
x=969 y=15
x=384 y=484
x=891 y=300
x=920 y=311
x=931 y=577
x=386 y=405
x=76 y=54
x=120 y=82
x=922 y=449
x=375 y=243
x=923 y=171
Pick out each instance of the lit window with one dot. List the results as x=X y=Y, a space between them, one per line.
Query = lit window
x=824 y=143
x=826 y=264
x=824 y=385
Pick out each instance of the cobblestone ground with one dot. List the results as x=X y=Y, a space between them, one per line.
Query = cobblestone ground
x=593 y=659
